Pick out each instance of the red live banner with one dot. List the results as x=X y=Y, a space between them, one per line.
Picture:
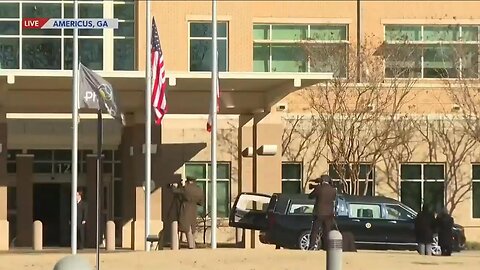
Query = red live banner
x=34 y=23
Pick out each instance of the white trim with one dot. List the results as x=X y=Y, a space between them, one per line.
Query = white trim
x=108 y=40
x=429 y=117
x=439 y=21
x=175 y=74
x=58 y=116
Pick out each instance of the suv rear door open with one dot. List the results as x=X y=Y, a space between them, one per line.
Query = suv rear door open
x=250 y=211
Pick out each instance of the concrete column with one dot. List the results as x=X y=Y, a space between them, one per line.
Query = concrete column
x=267 y=168
x=3 y=183
x=110 y=236
x=156 y=223
x=24 y=200
x=127 y=186
x=91 y=201
x=268 y=130
x=245 y=238
x=132 y=147
x=37 y=235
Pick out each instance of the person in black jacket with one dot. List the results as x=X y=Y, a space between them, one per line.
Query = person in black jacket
x=323 y=210
x=81 y=220
x=424 y=228
x=444 y=224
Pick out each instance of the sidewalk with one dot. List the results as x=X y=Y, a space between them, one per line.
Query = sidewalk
x=241 y=259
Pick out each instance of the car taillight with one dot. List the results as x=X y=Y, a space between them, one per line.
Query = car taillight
x=271 y=220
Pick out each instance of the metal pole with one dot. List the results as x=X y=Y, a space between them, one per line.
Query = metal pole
x=73 y=219
x=98 y=185
x=148 y=124
x=214 y=124
x=359 y=39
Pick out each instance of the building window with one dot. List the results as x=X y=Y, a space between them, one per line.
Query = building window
x=277 y=48
x=366 y=178
x=12 y=160
x=432 y=51
x=52 y=49
x=124 y=36
x=57 y=162
x=112 y=168
x=200 y=38
x=291 y=178
x=476 y=190
x=201 y=171
x=422 y=184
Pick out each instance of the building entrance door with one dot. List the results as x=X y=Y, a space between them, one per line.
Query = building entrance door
x=51 y=203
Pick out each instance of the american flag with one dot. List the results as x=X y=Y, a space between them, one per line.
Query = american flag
x=159 y=101
x=209 y=122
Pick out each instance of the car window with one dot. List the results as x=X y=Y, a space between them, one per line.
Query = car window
x=365 y=210
x=397 y=212
x=300 y=208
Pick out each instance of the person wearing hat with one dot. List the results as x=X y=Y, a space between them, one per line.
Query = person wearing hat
x=190 y=195
x=323 y=211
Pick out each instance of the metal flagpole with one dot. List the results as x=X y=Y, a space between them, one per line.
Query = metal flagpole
x=148 y=124
x=214 y=124
x=73 y=220
x=99 y=177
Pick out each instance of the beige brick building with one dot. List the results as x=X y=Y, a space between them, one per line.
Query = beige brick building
x=261 y=70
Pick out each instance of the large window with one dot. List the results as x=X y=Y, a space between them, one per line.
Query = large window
x=124 y=36
x=112 y=167
x=52 y=49
x=200 y=40
x=291 y=177
x=365 y=184
x=432 y=51
x=422 y=184
x=57 y=162
x=201 y=171
x=476 y=190
x=278 y=48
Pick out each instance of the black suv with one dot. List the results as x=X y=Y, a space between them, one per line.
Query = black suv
x=375 y=221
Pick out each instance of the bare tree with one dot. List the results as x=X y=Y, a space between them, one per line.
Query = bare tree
x=302 y=141
x=456 y=136
x=361 y=120
x=463 y=85
x=447 y=137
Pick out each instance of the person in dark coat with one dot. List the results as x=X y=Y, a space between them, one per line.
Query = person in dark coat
x=81 y=220
x=424 y=229
x=323 y=210
x=444 y=224
x=189 y=195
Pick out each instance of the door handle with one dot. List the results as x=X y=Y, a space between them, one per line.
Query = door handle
x=356 y=220
x=392 y=221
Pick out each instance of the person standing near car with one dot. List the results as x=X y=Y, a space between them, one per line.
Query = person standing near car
x=424 y=227
x=190 y=195
x=323 y=211
x=444 y=224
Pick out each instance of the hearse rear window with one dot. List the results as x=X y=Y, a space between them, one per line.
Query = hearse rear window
x=365 y=210
x=300 y=208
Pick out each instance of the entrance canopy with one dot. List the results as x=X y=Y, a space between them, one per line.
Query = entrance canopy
x=28 y=91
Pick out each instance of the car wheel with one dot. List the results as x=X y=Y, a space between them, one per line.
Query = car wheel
x=304 y=241
x=436 y=249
